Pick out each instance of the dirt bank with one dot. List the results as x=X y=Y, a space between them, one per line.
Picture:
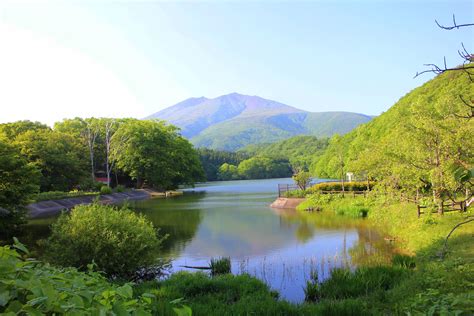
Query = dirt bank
x=286 y=202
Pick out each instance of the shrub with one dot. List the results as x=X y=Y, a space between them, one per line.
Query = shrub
x=57 y=195
x=352 y=210
x=295 y=194
x=120 y=188
x=317 y=200
x=337 y=186
x=220 y=266
x=89 y=185
x=119 y=241
x=30 y=287
x=302 y=179
x=105 y=190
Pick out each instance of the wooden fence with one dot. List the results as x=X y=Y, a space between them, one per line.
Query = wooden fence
x=460 y=206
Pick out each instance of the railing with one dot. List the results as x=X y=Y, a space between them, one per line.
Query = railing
x=447 y=207
x=284 y=188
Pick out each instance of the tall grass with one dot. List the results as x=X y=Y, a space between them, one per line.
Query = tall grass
x=344 y=283
x=220 y=266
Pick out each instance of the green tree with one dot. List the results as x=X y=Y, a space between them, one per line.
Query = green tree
x=87 y=130
x=211 y=160
x=228 y=172
x=302 y=179
x=151 y=151
x=18 y=182
x=12 y=130
x=263 y=168
x=58 y=156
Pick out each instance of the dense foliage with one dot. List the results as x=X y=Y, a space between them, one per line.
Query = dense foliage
x=30 y=287
x=337 y=186
x=72 y=154
x=224 y=165
x=255 y=168
x=118 y=241
x=422 y=143
x=18 y=183
x=300 y=151
x=154 y=152
x=58 y=156
x=212 y=160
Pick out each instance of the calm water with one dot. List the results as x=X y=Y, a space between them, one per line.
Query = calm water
x=233 y=219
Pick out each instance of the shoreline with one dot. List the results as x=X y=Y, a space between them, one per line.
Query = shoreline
x=287 y=203
x=48 y=208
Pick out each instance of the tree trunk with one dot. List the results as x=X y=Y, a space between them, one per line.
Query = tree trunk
x=342 y=178
x=438 y=201
x=440 y=206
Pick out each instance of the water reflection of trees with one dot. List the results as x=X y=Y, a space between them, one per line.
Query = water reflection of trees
x=370 y=248
x=174 y=218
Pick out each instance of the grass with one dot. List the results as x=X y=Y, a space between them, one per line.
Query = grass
x=238 y=295
x=57 y=195
x=442 y=286
x=220 y=266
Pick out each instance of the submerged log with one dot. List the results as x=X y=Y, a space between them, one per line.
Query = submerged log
x=198 y=268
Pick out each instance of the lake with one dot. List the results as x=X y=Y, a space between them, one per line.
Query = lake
x=233 y=219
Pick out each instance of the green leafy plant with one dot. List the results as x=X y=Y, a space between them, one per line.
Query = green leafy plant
x=119 y=241
x=30 y=287
x=120 y=188
x=105 y=190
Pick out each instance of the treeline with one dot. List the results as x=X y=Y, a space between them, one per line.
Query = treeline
x=225 y=165
x=423 y=144
x=301 y=151
x=72 y=153
x=263 y=161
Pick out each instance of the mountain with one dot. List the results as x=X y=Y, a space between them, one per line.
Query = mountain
x=232 y=121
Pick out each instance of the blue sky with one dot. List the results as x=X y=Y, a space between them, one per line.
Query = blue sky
x=132 y=58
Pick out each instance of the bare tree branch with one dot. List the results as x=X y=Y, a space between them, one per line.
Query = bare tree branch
x=467 y=57
x=454 y=26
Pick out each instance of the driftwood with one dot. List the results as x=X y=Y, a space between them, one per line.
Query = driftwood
x=198 y=268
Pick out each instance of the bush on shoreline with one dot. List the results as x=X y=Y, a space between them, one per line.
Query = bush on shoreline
x=337 y=186
x=118 y=241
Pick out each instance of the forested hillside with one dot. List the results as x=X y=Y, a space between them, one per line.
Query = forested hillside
x=423 y=142
x=300 y=151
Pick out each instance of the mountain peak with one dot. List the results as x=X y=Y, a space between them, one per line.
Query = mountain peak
x=233 y=120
